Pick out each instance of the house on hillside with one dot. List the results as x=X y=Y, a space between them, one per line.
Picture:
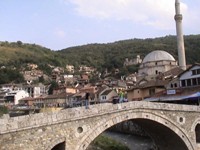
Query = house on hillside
x=56 y=100
x=107 y=96
x=32 y=75
x=187 y=81
x=27 y=101
x=77 y=99
x=69 y=79
x=99 y=91
x=119 y=85
x=67 y=89
x=134 y=61
x=70 y=68
x=183 y=89
x=13 y=97
x=36 y=90
x=145 y=89
x=86 y=69
x=190 y=77
x=83 y=80
x=56 y=74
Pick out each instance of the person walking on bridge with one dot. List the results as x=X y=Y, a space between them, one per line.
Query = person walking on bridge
x=87 y=96
x=121 y=96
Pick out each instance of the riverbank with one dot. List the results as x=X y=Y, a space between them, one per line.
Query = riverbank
x=105 y=142
x=119 y=141
x=133 y=142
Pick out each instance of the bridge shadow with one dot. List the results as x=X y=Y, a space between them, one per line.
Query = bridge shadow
x=162 y=138
x=60 y=146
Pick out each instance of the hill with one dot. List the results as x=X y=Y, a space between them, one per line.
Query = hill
x=100 y=56
x=18 y=54
x=112 y=55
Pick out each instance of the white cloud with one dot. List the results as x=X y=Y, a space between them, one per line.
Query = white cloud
x=156 y=13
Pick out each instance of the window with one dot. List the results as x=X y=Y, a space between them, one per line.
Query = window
x=194 y=81
x=104 y=97
x=183 y=83
x=189 y=82
x=198 y=81
x=175 y=85
x=194 y=72
x=151 y=92
x=156 y=71
x=172 y=85
x=198 y=71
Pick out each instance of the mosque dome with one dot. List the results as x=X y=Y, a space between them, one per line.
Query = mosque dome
x=158 y=55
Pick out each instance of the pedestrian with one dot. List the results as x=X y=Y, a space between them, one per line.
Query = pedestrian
x=87 y=95
x=121 y=96
x=125 y=99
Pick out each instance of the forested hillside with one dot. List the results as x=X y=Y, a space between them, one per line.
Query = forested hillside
x=101 y=56
x=17 y=55
x=112 y=55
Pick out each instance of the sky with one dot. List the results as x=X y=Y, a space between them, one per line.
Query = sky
x=59 y=24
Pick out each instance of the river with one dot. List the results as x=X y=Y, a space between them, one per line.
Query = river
x=133 y=142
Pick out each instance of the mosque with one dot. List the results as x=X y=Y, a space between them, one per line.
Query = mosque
x=158 y=71
x=160 y=61
x=157 y=62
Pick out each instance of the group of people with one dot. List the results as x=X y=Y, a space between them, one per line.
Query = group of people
x=122 y=97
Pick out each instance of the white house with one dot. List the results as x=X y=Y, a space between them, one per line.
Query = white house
x=36 y=90
x=107 y=96
x=70 y=68
x=13 y=97
x=190 y=77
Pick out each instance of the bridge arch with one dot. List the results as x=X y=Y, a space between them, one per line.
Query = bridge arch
x=106 y=123
x=55 y=142
x=194 y=129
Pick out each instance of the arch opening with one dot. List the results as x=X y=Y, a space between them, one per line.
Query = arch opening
x=59 y=146
x=161 y=136
x=197 y=133
x=170 y=136
x=164 y=138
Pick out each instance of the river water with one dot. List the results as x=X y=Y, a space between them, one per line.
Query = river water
x=133 y=142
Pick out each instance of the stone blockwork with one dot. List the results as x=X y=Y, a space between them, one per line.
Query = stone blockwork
x=76 y=128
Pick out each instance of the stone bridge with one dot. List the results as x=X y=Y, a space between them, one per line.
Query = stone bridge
x=171 y=126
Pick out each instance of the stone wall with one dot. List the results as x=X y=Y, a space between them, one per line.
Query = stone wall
x=40 y=119
x=79 y=126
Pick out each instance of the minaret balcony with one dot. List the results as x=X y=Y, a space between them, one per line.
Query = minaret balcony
x=178 y=17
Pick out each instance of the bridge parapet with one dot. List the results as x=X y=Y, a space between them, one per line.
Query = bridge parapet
x=41 y=119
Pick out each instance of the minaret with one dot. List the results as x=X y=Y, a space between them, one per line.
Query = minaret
x=180 y=41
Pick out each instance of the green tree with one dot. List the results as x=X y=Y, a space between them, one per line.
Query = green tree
x=10 y=75
x=41 y=79
x=19 y=43
x=53 y=86
x=3 y=110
